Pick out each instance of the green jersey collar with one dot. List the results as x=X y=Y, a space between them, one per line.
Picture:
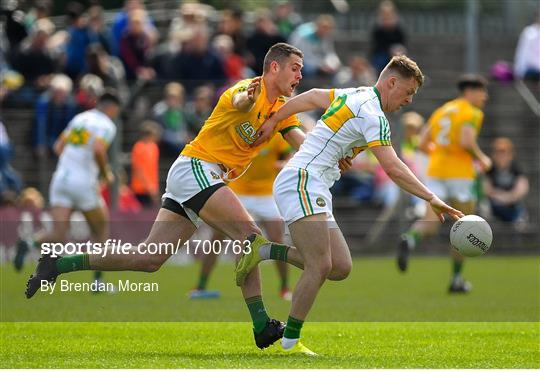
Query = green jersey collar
x=378 y=95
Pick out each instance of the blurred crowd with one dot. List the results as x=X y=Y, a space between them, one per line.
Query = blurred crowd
x=61 y=70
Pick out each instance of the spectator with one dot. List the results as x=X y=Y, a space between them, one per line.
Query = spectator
x=135 y=48
x=80 y=37
x=358 y=73
x=170 y=114
x=315 y=40
x=190 y=15
x=285 y=18
x=40 y=10
x=90 y=89
x=54 y=110
x=263 y=37
x=108 y=68
x=145 y=165
x=233 y=64
x=527 y=58
x=232 y=24
x=120 y=24
x=201 y=107
x=505 y=184
x=34 y=61
x=386 y=33
x=96 y=25
x=13 y=26
x=10 y=180
x=197 y=64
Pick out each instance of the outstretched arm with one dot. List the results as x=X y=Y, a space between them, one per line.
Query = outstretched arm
x=307 y=101
x=406 y=180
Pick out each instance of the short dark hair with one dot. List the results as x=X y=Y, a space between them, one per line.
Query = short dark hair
x=74 y=10
x=406 y=68
x=279 y=52
x=471 y=81
x=110 y=96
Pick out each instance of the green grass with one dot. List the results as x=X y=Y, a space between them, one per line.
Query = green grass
x=383 y=319
x=228 y=345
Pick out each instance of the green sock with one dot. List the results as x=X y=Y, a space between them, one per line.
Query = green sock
x=98 y=275
x=203 y=279
x=293 y=328
x=279 y=252
x=73 y=263
x=415 y=236
x=257 y=312
x=458 y=267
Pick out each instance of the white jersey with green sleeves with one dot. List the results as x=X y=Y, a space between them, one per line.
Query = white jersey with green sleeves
x=77 y=158
x=353 y=122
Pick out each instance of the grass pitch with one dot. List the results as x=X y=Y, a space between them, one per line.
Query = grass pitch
x=375 y=318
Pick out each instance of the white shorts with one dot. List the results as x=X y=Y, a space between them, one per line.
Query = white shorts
x=70 y=190
x=187 y=177
x=298 y=194
x=460 y=190
x=261 y=208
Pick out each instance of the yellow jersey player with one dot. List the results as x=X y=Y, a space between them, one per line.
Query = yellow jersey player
x=450 y=141
x=355 y=119
x=196 y=185
x=254 y=189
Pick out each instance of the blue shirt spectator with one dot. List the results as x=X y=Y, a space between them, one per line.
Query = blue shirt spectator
x=54 y=110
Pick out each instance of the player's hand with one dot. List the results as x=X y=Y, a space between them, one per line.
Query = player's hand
x=254 y=89
x=345 y=164
x=440 y=208
x=265 y=132
x=485 y=163
x=108 y=178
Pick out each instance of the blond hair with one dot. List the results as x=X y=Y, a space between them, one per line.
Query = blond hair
x=405 y=68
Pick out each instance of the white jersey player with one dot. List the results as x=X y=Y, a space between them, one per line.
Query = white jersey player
x=82 y=150
x=354 y=121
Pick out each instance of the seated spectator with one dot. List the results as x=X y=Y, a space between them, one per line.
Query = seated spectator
x=108 y=68
x=136 y=47
x=197 y=64
x=386 y=33
x=285 y=18
x=13 y=27
x=41 y=9
x=90 y=89
x=34 y=61
x=121 y=20
x=527 y=58
x=233 y=64
x=263 y=37
x=200 y=108
x=145 y=165
x=170 y=114
x=97 y=27
x=232 y=23
x=358 y=73
x=505 y=185
x=316 y=42
x=54 y=110
x=189 y=15
x=80 y=36
x=10 y=180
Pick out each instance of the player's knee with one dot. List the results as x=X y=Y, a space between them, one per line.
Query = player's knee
x=340 y=271
x=322 y=269
x=151 y=264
